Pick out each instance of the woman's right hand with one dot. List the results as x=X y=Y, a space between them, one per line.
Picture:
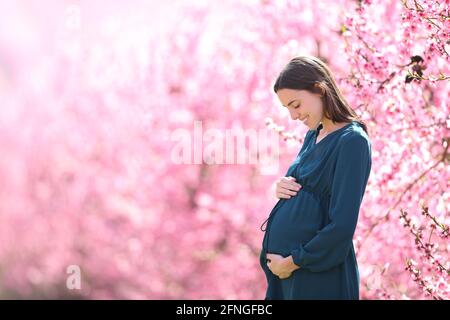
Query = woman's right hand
x=286 y=187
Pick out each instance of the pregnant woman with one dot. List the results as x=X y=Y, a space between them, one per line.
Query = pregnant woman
x=307 y=250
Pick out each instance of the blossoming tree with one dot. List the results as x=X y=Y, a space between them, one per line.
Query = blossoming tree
x=91 y=97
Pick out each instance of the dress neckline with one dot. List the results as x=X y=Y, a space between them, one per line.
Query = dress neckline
x=316 y=132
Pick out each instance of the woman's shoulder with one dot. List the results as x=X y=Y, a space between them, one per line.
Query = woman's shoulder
x=354 y=136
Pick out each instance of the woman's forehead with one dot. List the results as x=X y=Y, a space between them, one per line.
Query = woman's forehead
x=288 y=95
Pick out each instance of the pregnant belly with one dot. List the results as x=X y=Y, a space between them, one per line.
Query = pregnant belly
x=296 y=222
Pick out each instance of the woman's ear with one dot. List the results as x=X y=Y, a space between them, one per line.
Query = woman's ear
x=319 y=86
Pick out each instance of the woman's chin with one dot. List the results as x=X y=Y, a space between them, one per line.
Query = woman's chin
x=308 y=123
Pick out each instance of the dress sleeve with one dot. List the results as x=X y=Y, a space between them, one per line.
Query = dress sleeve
x=332 y=243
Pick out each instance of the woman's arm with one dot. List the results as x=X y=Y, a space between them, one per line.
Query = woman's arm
x=332 y=243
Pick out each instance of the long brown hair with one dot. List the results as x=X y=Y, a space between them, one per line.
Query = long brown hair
x=312 y=74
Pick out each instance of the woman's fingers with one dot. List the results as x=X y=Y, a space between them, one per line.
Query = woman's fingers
x=284 y=275
x=289 y=184
x=283 y=194
x=287 y=187
x=286 y=191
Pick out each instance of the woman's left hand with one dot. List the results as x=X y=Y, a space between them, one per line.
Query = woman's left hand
x=280 y=266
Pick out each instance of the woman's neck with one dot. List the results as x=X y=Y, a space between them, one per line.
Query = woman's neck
x=328 y=125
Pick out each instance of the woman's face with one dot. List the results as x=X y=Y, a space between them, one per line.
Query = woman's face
x=303 y=106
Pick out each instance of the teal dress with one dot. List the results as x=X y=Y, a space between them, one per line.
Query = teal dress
x=316 y=226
